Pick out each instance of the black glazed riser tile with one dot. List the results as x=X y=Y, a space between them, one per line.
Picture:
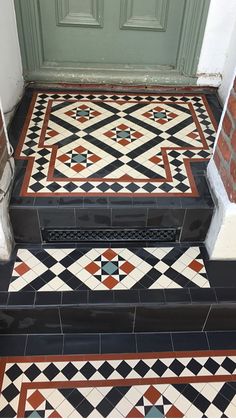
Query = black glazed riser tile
x=110 y=319
x=82 y=344
x=192 y=223
x=138 y=297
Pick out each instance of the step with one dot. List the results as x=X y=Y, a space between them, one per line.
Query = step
x=154 y=146
x=48 y=290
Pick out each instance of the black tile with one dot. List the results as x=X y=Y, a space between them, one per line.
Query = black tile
x=126 y=296
x=44 y=345
x=203 y=295
x=6 y=269
x=221 y=273
x=228 y=391
x=21 y=298
x=172 y=203
x=190 y=341
x=12 y=345
x=177 y=295
x=25 y=225
x=3 y=297
x=129 y=218
x=188 y=391
x=48 y=298
x=96 y=201
x=222 y=340
x=120 y=202
x=202 y=403
x=144 y=202
x=165 y=217
x=34 y=321
x=19 y=164
x=16 y=199
x=226 y=294
x=73 y=201
x=118 y=343
x=100 y=297
x=197 y=202
x=215 y=106
x=16 y=125
x=202 y=186
x=152 y=296
x=97 y=320
x=222 y=317
x=196 y=224
x=93 y=218
x=199 y=167
x=170 y=319
x=81 y=344
x=154 y=342
x=56 y=217
x=47 y=201
x=74 y=297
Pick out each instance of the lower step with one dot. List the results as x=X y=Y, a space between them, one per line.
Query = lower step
x=63 y=290
x=110 y=319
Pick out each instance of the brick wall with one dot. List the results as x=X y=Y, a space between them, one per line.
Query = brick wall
x=3 y=147
x=225 y=152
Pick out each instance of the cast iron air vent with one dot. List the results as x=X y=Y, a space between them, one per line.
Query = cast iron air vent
x=74 y=235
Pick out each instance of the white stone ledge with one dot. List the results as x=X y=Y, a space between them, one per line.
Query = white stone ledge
x=221 y=237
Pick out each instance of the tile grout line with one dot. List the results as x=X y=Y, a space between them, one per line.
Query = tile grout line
x=59 y=314
x=100 y=343
x=172 y=341
x=134 y=320
x=26 y=344
x=182 y=228
x=208 y=343
x=207 y=316
x=63 y=343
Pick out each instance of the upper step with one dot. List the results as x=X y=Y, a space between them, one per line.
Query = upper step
x=87 y=160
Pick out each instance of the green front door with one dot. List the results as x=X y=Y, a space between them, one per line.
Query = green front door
x=109 y=40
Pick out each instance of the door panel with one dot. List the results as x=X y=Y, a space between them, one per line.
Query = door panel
x=92 y=31
x=79 y=13
x=150 y=15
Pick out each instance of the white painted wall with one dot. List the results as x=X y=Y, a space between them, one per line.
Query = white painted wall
x=11 y=79
x=6 y=234
x=229 y=71
x=217 y=44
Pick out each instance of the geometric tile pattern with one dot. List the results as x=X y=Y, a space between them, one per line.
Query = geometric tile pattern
x=108 y=269
x=109 y=144
x=200 y=384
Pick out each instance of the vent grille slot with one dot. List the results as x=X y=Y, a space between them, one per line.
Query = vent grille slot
x=73 y=235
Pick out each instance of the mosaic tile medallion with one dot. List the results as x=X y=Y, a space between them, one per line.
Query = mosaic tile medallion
x=108 y=269
x=200 y=384
x=108 y=144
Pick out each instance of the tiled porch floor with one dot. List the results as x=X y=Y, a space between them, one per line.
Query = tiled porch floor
x=93 y=144
x=185 y=384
